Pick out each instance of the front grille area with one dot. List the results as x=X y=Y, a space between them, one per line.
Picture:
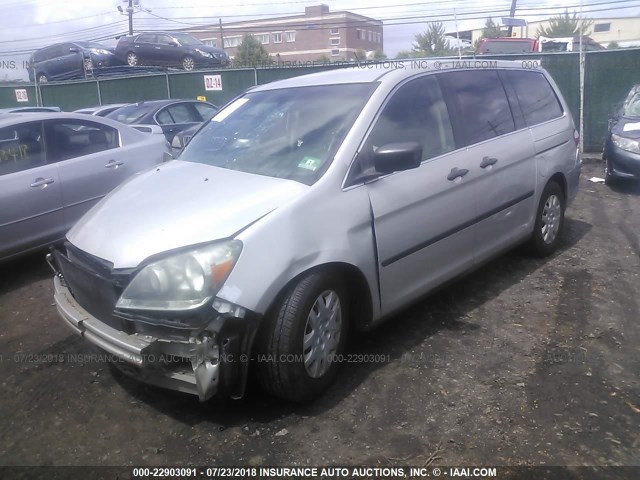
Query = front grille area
x=92 y=286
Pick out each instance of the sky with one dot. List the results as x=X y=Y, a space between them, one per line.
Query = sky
x=31 y=24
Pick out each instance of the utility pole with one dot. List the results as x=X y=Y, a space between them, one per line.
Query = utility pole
x=130 y=12
x=512 y=13
x=221 y=34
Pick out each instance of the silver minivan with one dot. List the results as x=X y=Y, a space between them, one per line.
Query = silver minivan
x=314 y=206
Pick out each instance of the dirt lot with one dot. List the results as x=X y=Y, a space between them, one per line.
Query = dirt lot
x=524 y=362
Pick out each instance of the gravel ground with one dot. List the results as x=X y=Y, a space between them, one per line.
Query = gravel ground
x=524 y=362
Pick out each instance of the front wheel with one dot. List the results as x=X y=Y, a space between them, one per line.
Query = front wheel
x=549 y=221
x=301 y=340
x=132 y=59
x=188 y=63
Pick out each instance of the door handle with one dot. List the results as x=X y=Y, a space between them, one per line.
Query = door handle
x=457 y=173
x=114 y=164
x=488 y=161
x=41 y=182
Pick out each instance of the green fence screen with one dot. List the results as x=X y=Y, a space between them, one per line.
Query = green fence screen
x=608 y=77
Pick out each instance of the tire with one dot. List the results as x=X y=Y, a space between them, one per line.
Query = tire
x=549 y=221
x=608 y=178
x=286 y=367
x=132 y=59
x=188 y=63
x=42 y=78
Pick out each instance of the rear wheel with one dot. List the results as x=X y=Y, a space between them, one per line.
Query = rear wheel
x=301 y=338
x=549 y=221
x=132 y=59
x=188 y=63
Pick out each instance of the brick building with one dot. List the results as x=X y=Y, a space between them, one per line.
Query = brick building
x=318 y=34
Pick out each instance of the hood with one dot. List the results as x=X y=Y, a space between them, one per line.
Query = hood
x=174 y=205
x=628 y=127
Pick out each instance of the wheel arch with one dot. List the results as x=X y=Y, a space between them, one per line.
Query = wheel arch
x=561 y=180
x=361 y=312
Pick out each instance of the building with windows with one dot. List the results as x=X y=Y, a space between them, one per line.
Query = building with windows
x=317 y=35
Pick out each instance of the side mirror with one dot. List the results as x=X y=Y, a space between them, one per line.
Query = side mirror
x=396 y=157
x=173 y=44
x=73 y=49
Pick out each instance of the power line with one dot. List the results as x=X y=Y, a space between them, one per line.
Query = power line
x=391 y=21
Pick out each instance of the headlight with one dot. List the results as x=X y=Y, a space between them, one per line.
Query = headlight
x=626 y=143
x=184 y=281
x=203 y=53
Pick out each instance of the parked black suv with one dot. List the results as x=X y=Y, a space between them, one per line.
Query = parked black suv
x=69 y=60
x=171 y=49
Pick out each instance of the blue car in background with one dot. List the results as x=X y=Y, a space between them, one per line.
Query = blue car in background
x=621 y=153
x=169 y=49
x=69 y=60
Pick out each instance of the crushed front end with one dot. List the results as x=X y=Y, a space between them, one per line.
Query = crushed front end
x=203 y=351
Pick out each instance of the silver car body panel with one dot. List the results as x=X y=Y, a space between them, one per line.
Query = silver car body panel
x=405 y=232
x=41 y=215
x=206 y=204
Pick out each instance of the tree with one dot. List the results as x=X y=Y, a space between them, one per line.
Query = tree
x=432 y=42
x=491 y=29
x=379 y=55
x=612 y=45
x=565 y=25
x=251 y=53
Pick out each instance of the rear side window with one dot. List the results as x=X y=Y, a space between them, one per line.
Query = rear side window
x=205 y=110
x=75 y=138
x=182 y=113
x=535 y=95
x=481 y=104
x=21 y=147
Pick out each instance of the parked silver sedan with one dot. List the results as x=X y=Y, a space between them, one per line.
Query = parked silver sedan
x=312 y=205
x=55 y=166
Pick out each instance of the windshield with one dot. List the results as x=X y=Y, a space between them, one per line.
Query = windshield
x=185 y=39
x=631 y=107
x=289 y=133
x=131 y=113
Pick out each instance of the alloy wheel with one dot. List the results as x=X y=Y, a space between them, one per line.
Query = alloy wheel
x=551 y=216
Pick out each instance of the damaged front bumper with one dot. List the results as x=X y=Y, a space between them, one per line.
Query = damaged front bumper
x=210 y=360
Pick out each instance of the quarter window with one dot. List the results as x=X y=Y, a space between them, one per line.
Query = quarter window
x=535 y=95
x=481 y=104
x=21 y=147
x=75 y=138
